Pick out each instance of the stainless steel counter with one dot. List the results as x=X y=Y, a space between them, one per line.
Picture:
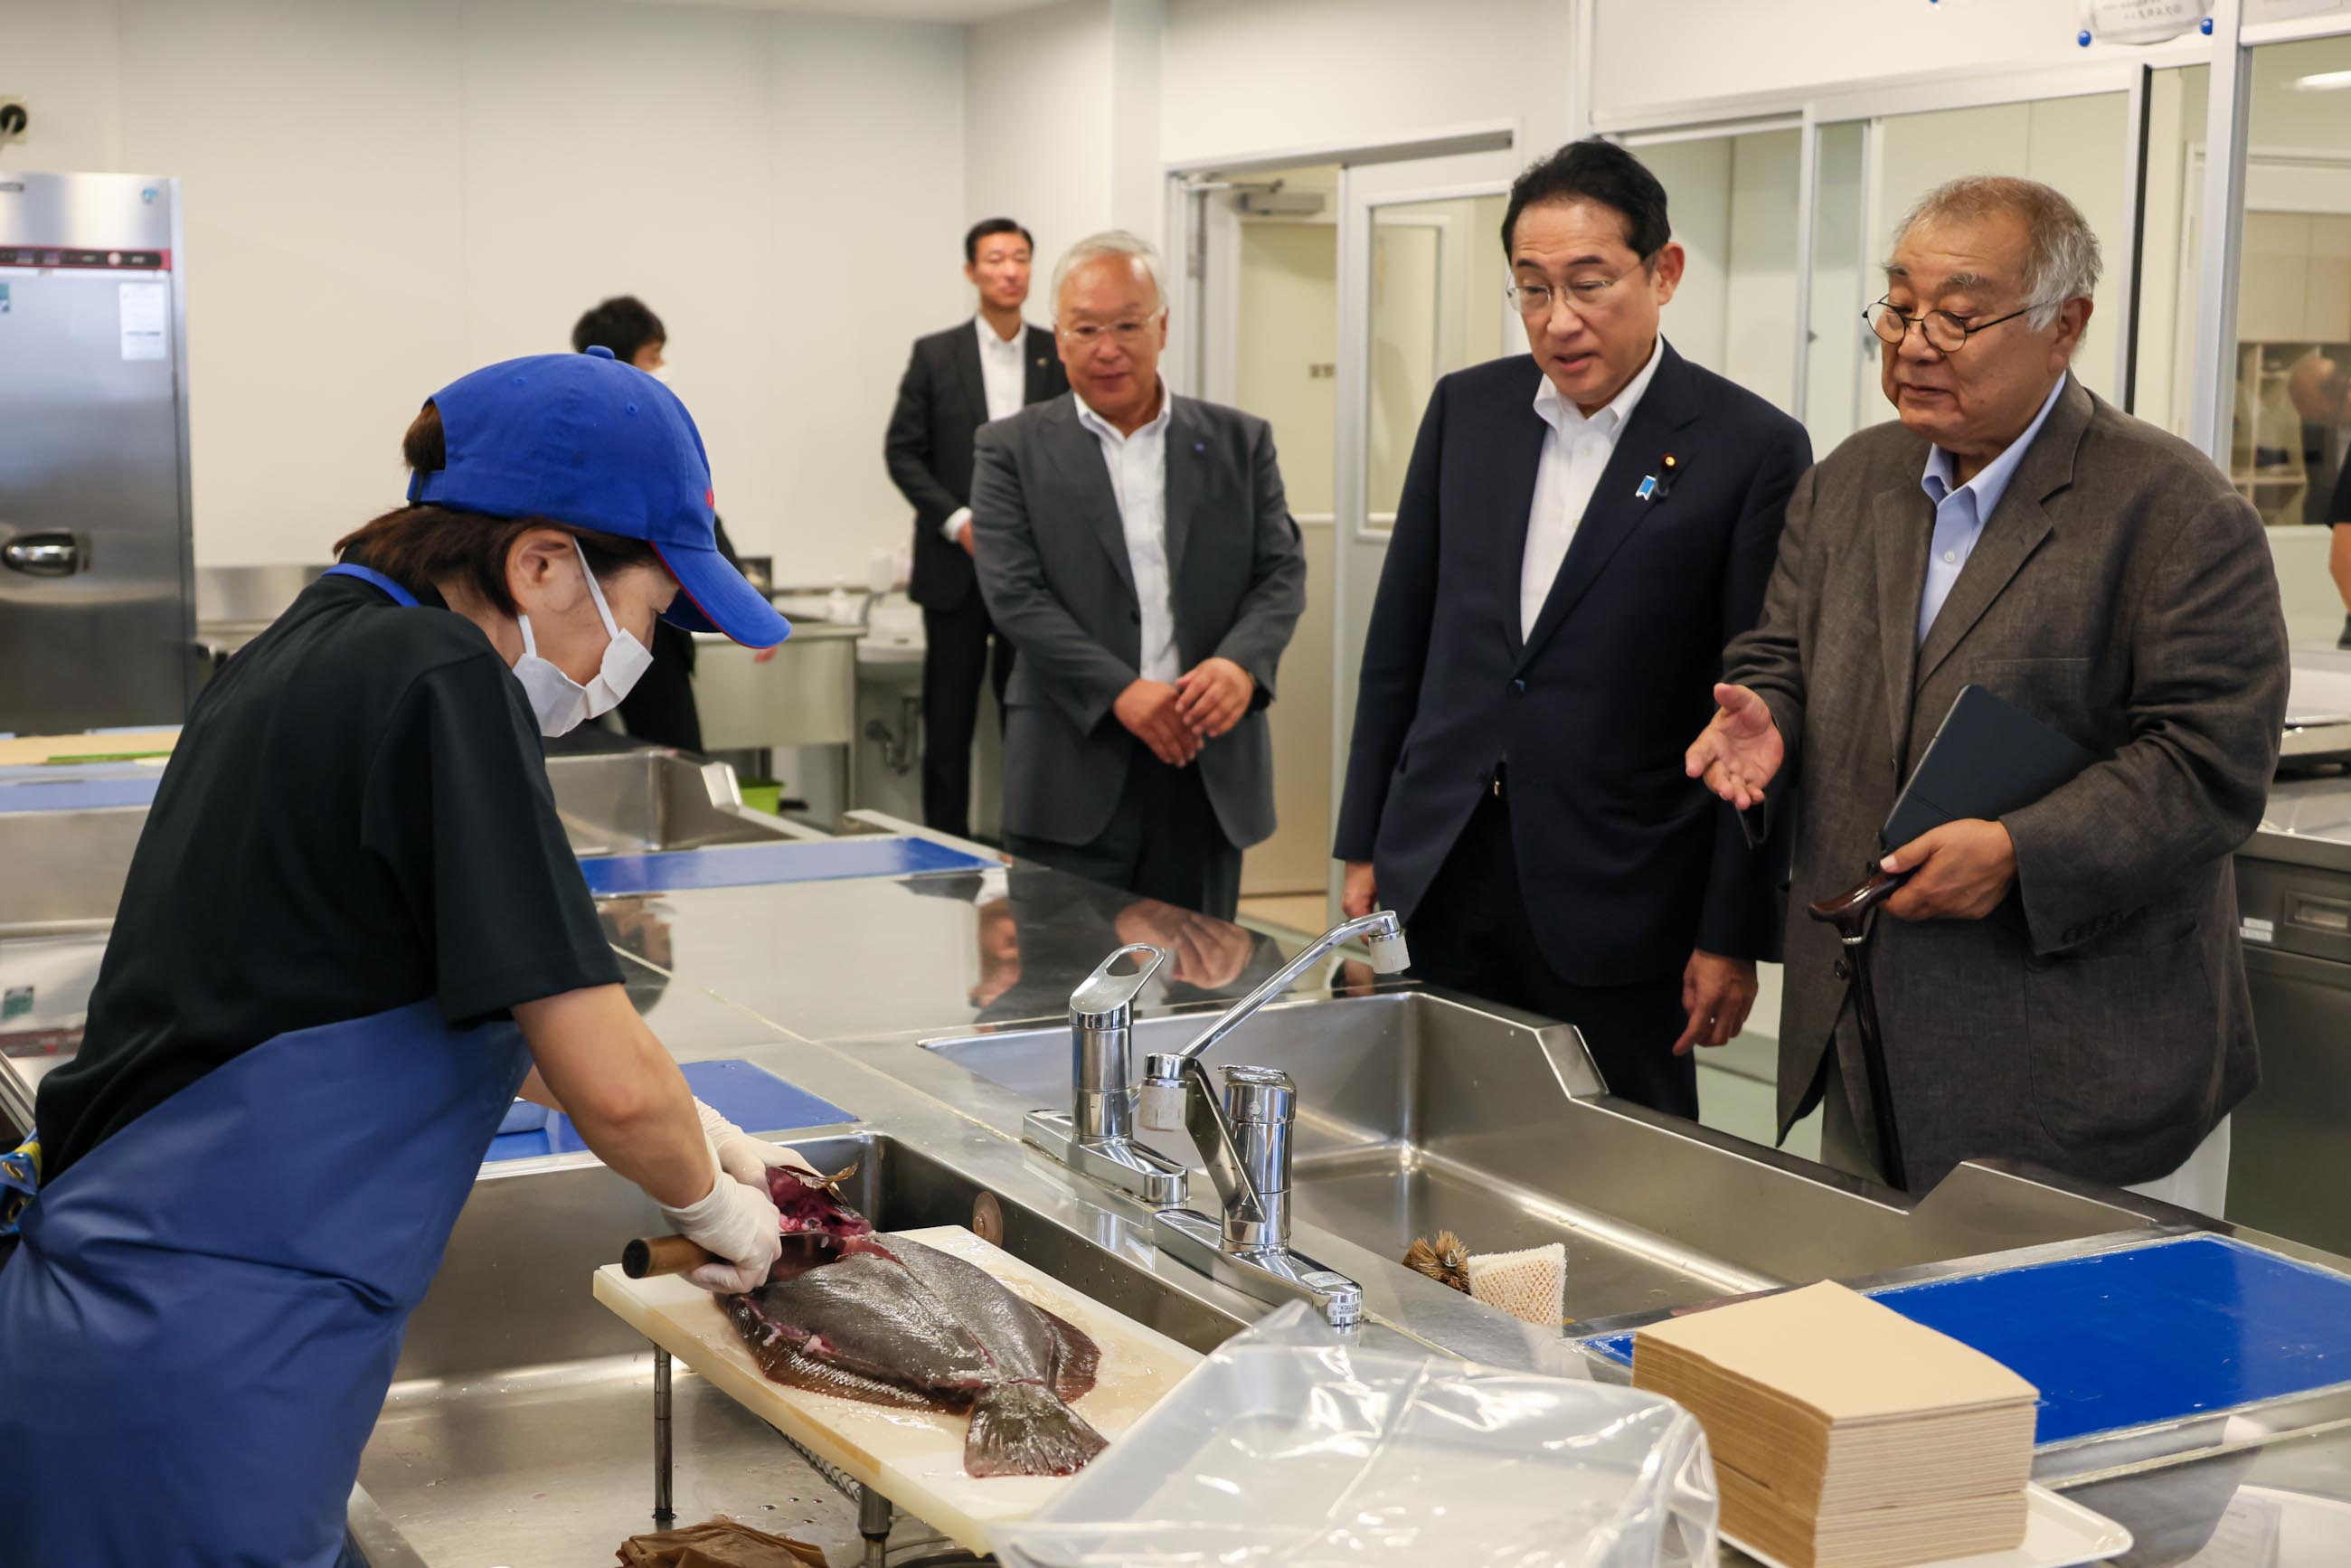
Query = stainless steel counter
x=518 y=1432
x=835 y=960
x=931 y=1006
x=804 y=696
x=2307 y=822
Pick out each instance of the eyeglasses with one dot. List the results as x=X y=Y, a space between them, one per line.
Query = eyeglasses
x=1583 y=294
x=1125 y=334
x=1945 y=333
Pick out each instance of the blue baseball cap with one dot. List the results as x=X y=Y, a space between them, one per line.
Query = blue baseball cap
x=584 y=440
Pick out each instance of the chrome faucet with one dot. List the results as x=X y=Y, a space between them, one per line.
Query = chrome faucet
x=1096 y=1136
x=1244 y=1138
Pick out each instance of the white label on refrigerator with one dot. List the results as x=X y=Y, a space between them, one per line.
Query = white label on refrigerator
x=146 y=317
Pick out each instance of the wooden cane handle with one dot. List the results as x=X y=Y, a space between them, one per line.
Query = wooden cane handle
x=1847 y=909
x=651 y=1255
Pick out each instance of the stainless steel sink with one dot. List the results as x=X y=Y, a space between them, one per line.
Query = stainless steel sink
x=519 y=1427
x=65 y=870
x=1420 y=1111
x=632 y=802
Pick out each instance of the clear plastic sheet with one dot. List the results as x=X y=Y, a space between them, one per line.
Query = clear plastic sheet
x=1290 y=1445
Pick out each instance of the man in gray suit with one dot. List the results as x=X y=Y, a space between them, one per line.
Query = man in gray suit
x=2062 y=986
x=1137 y=548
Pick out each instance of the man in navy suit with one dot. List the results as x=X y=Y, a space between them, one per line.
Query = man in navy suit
x=1582 y=530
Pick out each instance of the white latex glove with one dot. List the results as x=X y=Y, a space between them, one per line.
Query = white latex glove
x=745 y=1157
x=738 y=1224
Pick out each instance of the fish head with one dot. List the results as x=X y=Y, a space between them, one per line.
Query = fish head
x=812 y=1206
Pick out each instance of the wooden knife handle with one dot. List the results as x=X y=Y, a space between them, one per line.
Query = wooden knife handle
x=650 y=1255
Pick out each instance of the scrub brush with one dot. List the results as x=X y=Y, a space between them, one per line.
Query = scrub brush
x=1532 y=1285
x=1447 y=1262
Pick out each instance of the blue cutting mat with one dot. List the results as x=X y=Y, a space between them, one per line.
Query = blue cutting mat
x=825 y=860
x=2125 y=1339
x=753 y=1098
x=70 y=794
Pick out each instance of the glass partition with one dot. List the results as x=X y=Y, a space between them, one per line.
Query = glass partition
x=1871 y=173
x=1841 y=353
x=2171 y=234
x=2261 y=11
x=1732 y=199
x=2291 y=363
x=1437 y=303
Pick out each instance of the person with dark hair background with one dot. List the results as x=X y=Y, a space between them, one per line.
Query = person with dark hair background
x=661 y=709
x=1580 y=533
x=956 y=380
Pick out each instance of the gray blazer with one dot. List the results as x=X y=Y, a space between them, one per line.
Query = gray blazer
x=1053 y=568
x=2121 y=592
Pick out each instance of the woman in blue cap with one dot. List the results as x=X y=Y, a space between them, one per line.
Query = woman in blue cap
x=353 y=930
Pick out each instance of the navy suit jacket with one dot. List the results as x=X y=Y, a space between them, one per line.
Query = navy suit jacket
x=1625 y=865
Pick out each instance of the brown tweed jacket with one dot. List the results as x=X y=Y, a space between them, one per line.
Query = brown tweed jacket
x=2121 y=592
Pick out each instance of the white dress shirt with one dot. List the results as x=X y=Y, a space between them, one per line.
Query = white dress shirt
x=1138 y=478
x=1004 y=374
x=1961 y=514
x=1574 y=451
x=1003 y=366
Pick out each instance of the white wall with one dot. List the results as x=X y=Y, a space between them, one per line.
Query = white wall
x=1670 y=51
x=1037 y=127
x=1256 y=75
x=382 y=195
x=1136 y=28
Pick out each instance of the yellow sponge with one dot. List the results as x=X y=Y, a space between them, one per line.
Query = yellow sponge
x=1531 y=1286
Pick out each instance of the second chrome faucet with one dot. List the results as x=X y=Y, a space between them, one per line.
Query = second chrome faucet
x=1243 y=1134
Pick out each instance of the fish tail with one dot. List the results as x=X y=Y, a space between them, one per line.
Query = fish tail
x=1024 y=1429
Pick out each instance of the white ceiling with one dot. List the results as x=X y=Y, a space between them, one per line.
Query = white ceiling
x=887 y=10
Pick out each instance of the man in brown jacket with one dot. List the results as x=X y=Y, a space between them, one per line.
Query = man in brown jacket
x=2013 y=532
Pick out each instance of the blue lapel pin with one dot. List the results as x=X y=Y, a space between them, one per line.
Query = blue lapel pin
x=1199 y=446
x=1654 y=489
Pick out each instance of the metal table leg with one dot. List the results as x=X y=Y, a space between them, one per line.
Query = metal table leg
x=873 y=1516
x=663 y=1513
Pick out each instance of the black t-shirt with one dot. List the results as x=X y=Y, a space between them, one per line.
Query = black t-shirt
x=357 y=817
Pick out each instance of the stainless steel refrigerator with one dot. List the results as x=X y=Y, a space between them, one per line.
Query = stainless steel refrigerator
x=97 y=580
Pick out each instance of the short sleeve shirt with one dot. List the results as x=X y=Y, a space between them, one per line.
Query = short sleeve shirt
x=356 y=818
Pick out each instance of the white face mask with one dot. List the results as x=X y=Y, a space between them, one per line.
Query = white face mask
x=563 y=705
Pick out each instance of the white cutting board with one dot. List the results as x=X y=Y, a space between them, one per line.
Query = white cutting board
x=915 y=1458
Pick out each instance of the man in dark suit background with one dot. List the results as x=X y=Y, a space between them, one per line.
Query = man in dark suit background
x=1136 y=546
x=1581 y=532
x=987 y=368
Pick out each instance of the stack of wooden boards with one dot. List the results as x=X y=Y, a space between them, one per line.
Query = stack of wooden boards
x=1846 y=1435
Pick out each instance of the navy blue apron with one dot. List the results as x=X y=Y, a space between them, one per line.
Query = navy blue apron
x=198 y=1330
